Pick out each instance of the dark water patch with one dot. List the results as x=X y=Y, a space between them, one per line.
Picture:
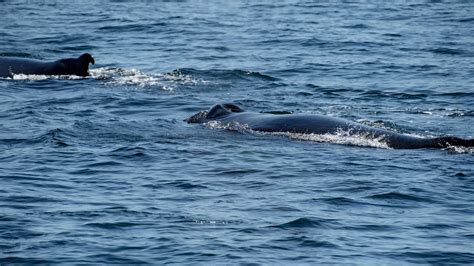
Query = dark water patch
x=315 y=42
x=24 y=260
x=93 y=172
x=328 y=92
x=397 y=95
x=108 y=258
x=455 y=94
x=304 y=94
x=115 y=225
x=132 y=27
x=355 y=186
x=35 y=177
x=215 y=57
x=29 y=199
x=306 y=241
x=402 y=197
x=238 y=172
x=464 y=20
x=216 y=48
x=373 y=227
x=437 y=226
x=16 y=141
x=425 y=67
x=307 y=223
x=59 y=39
x=357 y=26
x=79 y=47
x=53 y=136
x=340 y=201
x=100 y=212
x=448 y=51
x=130 y=152
x=433 y=257
x=182 y=184
x=17 y=232
x=395 y=35
x=250 y=231
x=363 y=46
x=235 y=74
x=460 y=174
x=104 y=164
x=469 y=236
x=107 y=132
x=285 y=209
x=261 y=185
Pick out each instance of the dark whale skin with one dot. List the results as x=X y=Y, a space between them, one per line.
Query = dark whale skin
x=10 y=66
x=320 y=124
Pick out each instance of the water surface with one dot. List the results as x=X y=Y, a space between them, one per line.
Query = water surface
x=104 y=169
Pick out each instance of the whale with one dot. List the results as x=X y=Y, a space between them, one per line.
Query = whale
x=320 y=124
x=10 y=66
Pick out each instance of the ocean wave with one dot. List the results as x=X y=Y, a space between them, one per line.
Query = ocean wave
x=449 y=51
x=306 y=223
x=185 y=185
x=435 y=257
x=132 y=27
x=52 y=136
x=398 y=196
x=306 y=241
x=340 y=201
x=130 y=152
x=234 y=74
x=115 y=225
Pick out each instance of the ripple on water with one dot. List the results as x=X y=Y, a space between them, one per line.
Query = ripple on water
x=432 y=256
x=307 y=242
x=401 y=197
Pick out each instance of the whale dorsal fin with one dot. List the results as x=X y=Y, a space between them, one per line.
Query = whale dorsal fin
x=217 y=110
x=233 y=108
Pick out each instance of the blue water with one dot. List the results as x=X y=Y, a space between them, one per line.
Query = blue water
x=104 y=169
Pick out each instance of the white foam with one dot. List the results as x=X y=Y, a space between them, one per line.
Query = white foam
x=44 y=77
x=460 y=149
x=340 y=137
x=134 y=77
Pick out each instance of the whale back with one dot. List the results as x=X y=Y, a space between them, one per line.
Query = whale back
x=10 y=66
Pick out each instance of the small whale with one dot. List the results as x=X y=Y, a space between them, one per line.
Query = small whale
x=10 y=66
x=320 y=124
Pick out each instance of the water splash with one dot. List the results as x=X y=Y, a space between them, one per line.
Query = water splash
x=459 y=149
x=43 y=77
x=132 y=77
x=340 y=137
x=346 y=137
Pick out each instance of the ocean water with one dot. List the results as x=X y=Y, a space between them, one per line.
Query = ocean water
x=103 y=169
